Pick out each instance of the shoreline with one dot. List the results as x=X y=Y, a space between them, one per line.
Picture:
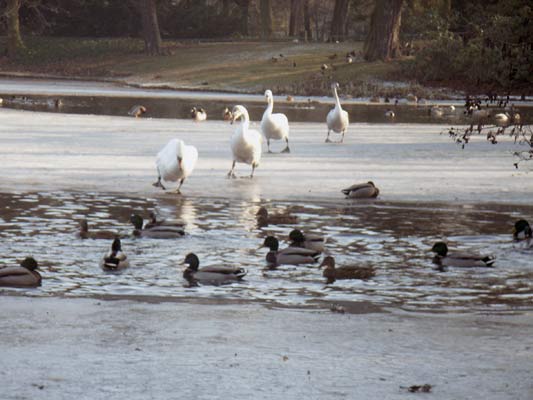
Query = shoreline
x=61 y=348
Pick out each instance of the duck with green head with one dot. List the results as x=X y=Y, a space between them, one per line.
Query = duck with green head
x=23 y=276
x=308 y=241
x=155 y=231
x=289 y=255
x=212 y=275
x=522 y=233
x=332 y=273
x=115 y=259
x=445 y=259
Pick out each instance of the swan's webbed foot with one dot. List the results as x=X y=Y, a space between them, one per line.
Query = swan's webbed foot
x=269 y=151
x=159 y=184
x=328 y=141
x=286 y=150
x=231 y=174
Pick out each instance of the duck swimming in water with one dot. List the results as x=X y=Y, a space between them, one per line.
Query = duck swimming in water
x=308 y=241
x=332 y=273
x=212 y=275
x=264 y=218
x=289 y=255
x=23 y=276
x=115 y=259
x=157 y=231
x=84 y=232
x=444 y=259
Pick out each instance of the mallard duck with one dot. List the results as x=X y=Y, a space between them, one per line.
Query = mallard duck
x=361 y=191
x=154 y=221
x=198 y=114
x=155 y=232
x=522 y=233
x=444 y=259
x=264 y=218
x=226 y=114
x=308 y=241
x=390 y=114
x=174 y=162
x=84 y=232
x=115 y=259
x=245 y=143
x=274 y=126
x=348 y=272
x=22 y=276
x=337 y=119
x=288 y=256
x=212 y=275
x=136 y=111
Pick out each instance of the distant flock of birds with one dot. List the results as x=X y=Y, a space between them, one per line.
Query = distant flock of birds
x=176 y=161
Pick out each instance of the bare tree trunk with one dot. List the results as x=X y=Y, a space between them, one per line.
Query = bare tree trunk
x=14 y=40
x=150 y=26
x=383 y=40
x=294 y=19
x=338 y=23
x=307 y=21
x=225 y=8
x=245 y=12
x=266 y=18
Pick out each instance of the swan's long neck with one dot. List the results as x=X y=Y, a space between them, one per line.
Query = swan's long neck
x=245 y=122
x=337 y=100
x=270 y=106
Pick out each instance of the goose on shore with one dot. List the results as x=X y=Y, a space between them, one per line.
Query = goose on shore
x=115 y=259
x=390 y=114
x=274 y=126
x=175 y=162
x=212 y=275
x=445 y=259
x=245 y=143
x=22 y=276
x=337 y=119
x=361 y=191
x=332 y=273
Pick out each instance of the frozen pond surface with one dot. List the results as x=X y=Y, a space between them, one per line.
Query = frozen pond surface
x=58 y=168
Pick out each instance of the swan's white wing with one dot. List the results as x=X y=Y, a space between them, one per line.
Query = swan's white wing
x=190 y=156
x=246 y=148
x=337 y=119
x=167 y=161
x=275 y=126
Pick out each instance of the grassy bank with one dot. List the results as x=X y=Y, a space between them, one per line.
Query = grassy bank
x=244 y=66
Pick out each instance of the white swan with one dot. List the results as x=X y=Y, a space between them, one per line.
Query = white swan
x=337 y=119
x=274 y=126
x=245 y=143
x=174 y=162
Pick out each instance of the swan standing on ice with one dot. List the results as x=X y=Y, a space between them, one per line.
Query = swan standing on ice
x=337 y=119
x=175 y=162
x=274 y=126
x=245 y=143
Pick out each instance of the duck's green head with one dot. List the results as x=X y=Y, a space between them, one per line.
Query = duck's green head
x=116 y=246
x=29 y=263
x=272 y=243
x=296 y=236
x=522 y=229
x=137 y=221
x=440 y=248
x=262 y=212
x=192 y=261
